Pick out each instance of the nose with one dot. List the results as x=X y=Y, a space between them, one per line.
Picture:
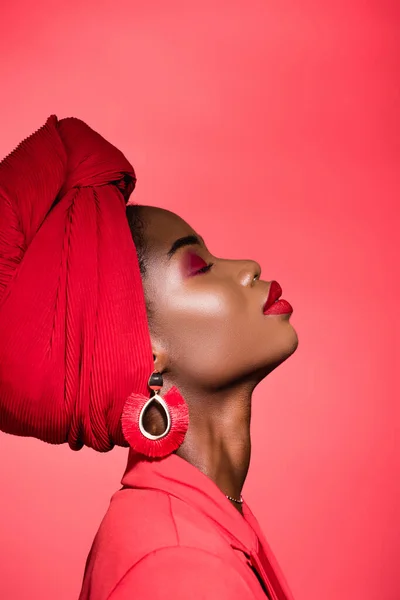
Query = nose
x=249 y=272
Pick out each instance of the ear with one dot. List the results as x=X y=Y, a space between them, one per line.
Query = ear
x=159 y=356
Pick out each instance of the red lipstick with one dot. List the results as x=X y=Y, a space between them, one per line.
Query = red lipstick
x=275 y=305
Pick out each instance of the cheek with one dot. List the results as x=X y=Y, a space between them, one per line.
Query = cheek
x=217 y=305
x=201 y=327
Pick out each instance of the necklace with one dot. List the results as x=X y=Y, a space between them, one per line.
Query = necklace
x=234 y=499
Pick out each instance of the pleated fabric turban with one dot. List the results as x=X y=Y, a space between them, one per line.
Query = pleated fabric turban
x=74 y=340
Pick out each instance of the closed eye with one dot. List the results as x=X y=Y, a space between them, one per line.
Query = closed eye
x=193 y=264
x=205 y=269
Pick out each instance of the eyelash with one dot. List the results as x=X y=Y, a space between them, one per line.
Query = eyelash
x=205 y=269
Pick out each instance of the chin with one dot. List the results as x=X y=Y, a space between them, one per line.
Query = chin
x=292 y=342
x=285 y=347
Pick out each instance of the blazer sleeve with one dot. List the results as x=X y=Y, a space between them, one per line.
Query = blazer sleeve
x=180 y=573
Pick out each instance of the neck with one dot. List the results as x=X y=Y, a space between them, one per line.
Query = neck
x=218 y=439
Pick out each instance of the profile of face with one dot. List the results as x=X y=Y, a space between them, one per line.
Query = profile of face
x=206 y=314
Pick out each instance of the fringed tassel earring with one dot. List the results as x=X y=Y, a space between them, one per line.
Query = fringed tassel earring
x=177 y=417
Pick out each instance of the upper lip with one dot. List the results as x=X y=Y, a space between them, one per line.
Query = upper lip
x=274 y=293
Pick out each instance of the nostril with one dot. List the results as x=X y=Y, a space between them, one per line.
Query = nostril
x=257 y=274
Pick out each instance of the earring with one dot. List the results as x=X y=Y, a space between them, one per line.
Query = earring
x=177 y=417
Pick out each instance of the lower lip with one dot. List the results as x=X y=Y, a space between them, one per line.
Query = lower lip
x=281 y=307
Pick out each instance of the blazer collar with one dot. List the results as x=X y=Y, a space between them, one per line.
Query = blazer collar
x=180 y=479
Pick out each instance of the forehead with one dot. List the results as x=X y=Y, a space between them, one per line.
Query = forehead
x=162 y=228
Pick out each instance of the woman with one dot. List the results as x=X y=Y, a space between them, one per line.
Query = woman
x=89 y=321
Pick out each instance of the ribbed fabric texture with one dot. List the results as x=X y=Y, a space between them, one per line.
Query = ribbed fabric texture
x=74 y=340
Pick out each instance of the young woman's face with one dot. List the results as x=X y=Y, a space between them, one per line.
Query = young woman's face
x=207 y=314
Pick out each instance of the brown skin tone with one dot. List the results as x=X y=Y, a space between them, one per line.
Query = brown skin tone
x=210 y=339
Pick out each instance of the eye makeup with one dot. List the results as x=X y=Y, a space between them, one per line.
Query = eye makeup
x=193 y=264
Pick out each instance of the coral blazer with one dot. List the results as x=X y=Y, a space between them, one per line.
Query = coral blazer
x=171 y=534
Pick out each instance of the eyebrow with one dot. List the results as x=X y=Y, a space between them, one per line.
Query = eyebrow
x=188 y=240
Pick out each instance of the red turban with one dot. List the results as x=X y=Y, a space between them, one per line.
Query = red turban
x=74 y=340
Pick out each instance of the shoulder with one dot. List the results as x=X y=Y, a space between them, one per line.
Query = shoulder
x=153 y=519
x=178 y=573
x=138 y=524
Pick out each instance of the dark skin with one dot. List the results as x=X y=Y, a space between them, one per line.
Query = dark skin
x=210 y=339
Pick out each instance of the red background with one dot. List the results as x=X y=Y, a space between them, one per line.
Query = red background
x=273 y=128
